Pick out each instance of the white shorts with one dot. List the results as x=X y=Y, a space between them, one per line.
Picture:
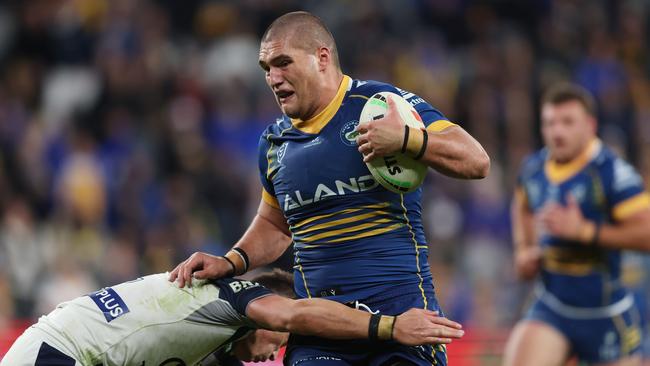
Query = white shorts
x=35 y=348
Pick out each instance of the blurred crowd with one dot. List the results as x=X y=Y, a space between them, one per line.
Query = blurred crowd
x=129 y=128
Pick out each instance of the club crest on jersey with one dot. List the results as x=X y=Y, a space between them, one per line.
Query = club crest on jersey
x=348 y=134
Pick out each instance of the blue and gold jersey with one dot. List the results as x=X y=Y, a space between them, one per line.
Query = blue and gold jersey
x=353 y=239
x=608 y=190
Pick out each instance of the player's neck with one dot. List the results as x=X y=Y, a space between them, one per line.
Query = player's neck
x=331 y=85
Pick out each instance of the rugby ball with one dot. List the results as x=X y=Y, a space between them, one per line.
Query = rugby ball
x=398 y=172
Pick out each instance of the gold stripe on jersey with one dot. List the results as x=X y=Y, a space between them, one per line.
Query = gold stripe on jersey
x=268 y=198
x=330 y=233
x=364 y=234
x=269 y=160
x=631 y=206
x=630 y=336
x=298 y=266
x=440 y=125
x=315 y=124
x=417 y=252
x=578 y=261
x=338 y=222
x=374 y=206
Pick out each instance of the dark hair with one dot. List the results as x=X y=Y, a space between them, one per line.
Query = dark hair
x=305 y=30
x=566 y=92
x=278 y=281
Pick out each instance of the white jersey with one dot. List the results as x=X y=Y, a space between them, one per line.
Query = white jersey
x=151 y=321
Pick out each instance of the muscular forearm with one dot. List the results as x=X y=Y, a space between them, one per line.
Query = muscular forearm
x=455 y=153
x=634 y=235
x=326 y=319
x=263 y=242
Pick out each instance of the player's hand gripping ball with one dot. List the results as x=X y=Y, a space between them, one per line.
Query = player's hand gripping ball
x=399 y=173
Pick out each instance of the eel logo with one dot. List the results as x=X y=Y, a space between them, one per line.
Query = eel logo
x=348 y=134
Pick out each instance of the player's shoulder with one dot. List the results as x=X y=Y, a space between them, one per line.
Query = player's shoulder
x=606 y=157
x=368 y=88
x=276 y=128
x=615 y=169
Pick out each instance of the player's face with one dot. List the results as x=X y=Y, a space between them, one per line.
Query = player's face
x=567 y=128
x=292 y=74
x=261 y=345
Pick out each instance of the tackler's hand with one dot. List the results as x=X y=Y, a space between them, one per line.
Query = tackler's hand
x=200 y=266
x=419 y=326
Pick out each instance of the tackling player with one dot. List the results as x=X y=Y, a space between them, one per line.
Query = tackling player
x=151 y=321
x=354 y=241
x=576 y=207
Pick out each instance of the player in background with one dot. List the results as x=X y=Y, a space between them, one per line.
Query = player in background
x=576 y=207
x=354 y=241
x=151 y=321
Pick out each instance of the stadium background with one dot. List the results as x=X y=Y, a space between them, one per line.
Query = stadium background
x=128 y=131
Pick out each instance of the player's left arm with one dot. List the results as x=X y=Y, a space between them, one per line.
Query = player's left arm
x=633 y=232
x=329 y=319
x=447 y=147
x=630 y=211
x=455 y=153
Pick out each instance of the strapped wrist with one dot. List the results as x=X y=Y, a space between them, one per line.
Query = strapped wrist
x=386 y=327
x=587 y=232
x=373 y=327
x=407 y=130
x=415 y=144
x=244 y=257
x=232 y=265
x=380 y=327
x=596 y=237
x=239 y=265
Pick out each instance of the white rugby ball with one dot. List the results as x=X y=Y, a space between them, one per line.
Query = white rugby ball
x=398 y=172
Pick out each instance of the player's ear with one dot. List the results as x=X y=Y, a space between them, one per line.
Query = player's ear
x=324 y=58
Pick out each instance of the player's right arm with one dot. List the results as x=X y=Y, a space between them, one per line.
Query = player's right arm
x=527 y=252
x=329 y=319
x=264 y=241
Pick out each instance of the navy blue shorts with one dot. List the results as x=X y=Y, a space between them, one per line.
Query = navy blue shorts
x=304 y=351
x=599 y=339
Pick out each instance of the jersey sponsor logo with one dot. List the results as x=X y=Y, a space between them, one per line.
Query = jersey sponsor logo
x=410 y=97
x=237 y=286
x=348 y=134
x=109 y=303
x=340 y=188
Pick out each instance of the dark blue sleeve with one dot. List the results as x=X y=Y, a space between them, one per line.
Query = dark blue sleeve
x=264 y=161
x=239 y=293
